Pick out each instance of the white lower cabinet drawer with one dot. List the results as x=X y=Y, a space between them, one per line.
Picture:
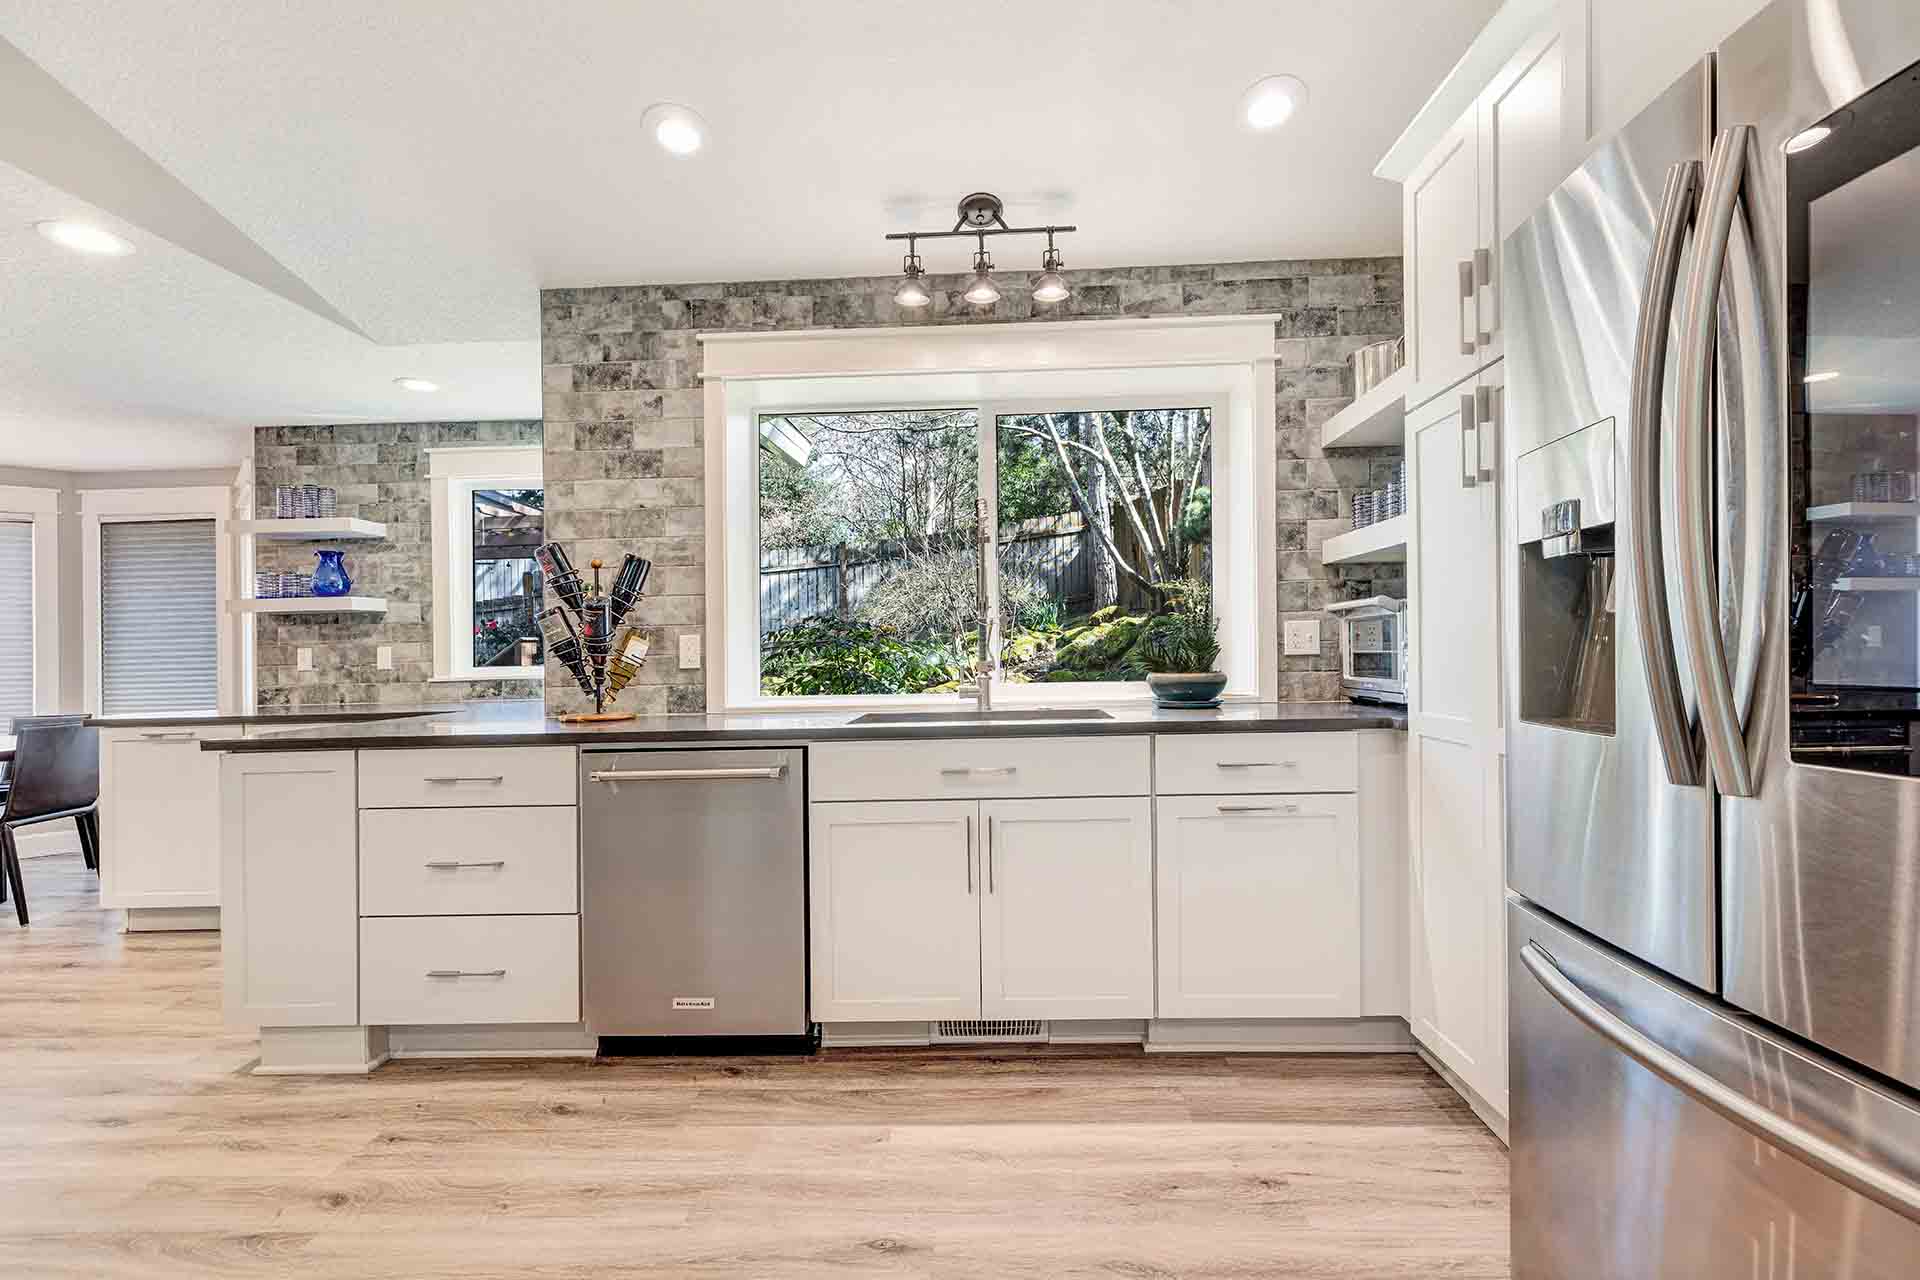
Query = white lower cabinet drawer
x=469 y=969
x=1214 y=764
x=469 y=862
x=464 y=777
x=980 y=768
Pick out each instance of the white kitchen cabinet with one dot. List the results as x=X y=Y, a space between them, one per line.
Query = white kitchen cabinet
x=894 y=902
x=1259 y=907
x=1442 y=230
x=1066 y=922
x=160 y=820
x=1456 y=969
x=290 y=938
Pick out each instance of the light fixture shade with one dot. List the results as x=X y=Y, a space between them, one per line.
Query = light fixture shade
x=1051 y=286
x=982 y=291
x=913 y=291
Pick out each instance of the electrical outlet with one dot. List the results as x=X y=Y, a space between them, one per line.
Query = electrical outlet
x=1872 y=637
x=303 y=659
x=690 y=652
x=1303 y=638
x=383 y=657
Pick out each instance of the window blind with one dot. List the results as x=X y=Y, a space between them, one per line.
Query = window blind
x=16 y=621
x=159 y=617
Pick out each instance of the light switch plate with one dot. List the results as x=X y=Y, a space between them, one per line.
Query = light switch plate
x=1303 y=638
x=383 y=657
x=690 y=652
x=303 y=659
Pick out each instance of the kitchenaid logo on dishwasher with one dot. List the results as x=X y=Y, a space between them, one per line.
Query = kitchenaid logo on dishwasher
x=693 y=1002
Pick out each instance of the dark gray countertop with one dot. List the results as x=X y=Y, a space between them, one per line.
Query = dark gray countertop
x=481 y=724
x=349 y=712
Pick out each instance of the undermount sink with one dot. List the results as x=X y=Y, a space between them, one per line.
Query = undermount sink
x=962 y=716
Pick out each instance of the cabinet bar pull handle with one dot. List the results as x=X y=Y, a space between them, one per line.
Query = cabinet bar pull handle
x=495 y=778
x=466 y=973
x=1482 y=279
x=982 y=769
x=1460 y=307
x=993 y=854
x=1469 y=444
x=1256 y=764
x=1258 y=808
x=443 y=865
x=169 y=735
x=969 y=855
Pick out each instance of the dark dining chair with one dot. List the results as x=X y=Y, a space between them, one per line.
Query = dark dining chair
x=55 y=775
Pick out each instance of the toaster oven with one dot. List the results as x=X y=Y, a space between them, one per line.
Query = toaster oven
x=1373 y=648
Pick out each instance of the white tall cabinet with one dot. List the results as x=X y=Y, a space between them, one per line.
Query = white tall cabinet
x=1511 y=140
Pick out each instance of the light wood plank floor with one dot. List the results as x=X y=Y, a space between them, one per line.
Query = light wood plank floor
x=134 y=1144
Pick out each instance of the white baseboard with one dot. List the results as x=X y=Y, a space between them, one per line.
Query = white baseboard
x=546 y=1040
x=1098 y=1031
x=320 y=1051
x=876 y=1035
x=1490 y=1115
x=48 y=840
x=172 y=919
x=1291 y=1035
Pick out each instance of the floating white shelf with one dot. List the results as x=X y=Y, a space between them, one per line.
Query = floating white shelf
x=1376 y=418
x=1876 y=584
x=1866 y=512
x=1382 y=542
x=313 y=604
x=322 y=529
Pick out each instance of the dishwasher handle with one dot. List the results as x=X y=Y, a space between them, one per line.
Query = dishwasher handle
x=757 y=773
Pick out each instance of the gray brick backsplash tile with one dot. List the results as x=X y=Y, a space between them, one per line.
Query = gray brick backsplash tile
x=626 y=466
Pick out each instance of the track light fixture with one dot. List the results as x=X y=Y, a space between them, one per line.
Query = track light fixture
x=981 y=215
x=913 y=292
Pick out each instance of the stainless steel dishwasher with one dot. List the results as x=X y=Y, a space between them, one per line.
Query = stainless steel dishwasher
x=694 y=896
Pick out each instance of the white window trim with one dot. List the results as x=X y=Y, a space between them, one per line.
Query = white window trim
x=1226 y=363
x=41 y=508
x=454 y=474
x=198 y=502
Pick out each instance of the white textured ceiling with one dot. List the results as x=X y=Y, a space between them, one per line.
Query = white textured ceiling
x=426 y=166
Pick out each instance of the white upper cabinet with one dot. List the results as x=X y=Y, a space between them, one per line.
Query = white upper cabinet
x=1442 y=201
x=1066 y=925
x=895 y=905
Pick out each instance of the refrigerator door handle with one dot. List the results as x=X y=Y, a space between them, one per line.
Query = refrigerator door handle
x=1819 y=1154
x=1700 y=605
x=1665 y=696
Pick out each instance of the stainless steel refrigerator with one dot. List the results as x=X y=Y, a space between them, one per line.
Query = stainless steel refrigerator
x=1712 y=665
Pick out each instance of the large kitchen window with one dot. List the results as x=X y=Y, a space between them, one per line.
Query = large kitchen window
x=159 y=617
x=894 y=514
x=16 y=620
x=870 y=527
x=489 y=516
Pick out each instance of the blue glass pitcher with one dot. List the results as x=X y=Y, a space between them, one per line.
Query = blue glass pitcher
x=330 y=575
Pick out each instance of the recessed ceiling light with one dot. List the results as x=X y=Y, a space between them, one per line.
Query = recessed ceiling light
x=679 y=130
x=1271 y=102
x=84 y=238
x=1809 y=137
x=416 y=384
x=1825 y=375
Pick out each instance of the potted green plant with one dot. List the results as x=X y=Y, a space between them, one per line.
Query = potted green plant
x=1181 y=646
